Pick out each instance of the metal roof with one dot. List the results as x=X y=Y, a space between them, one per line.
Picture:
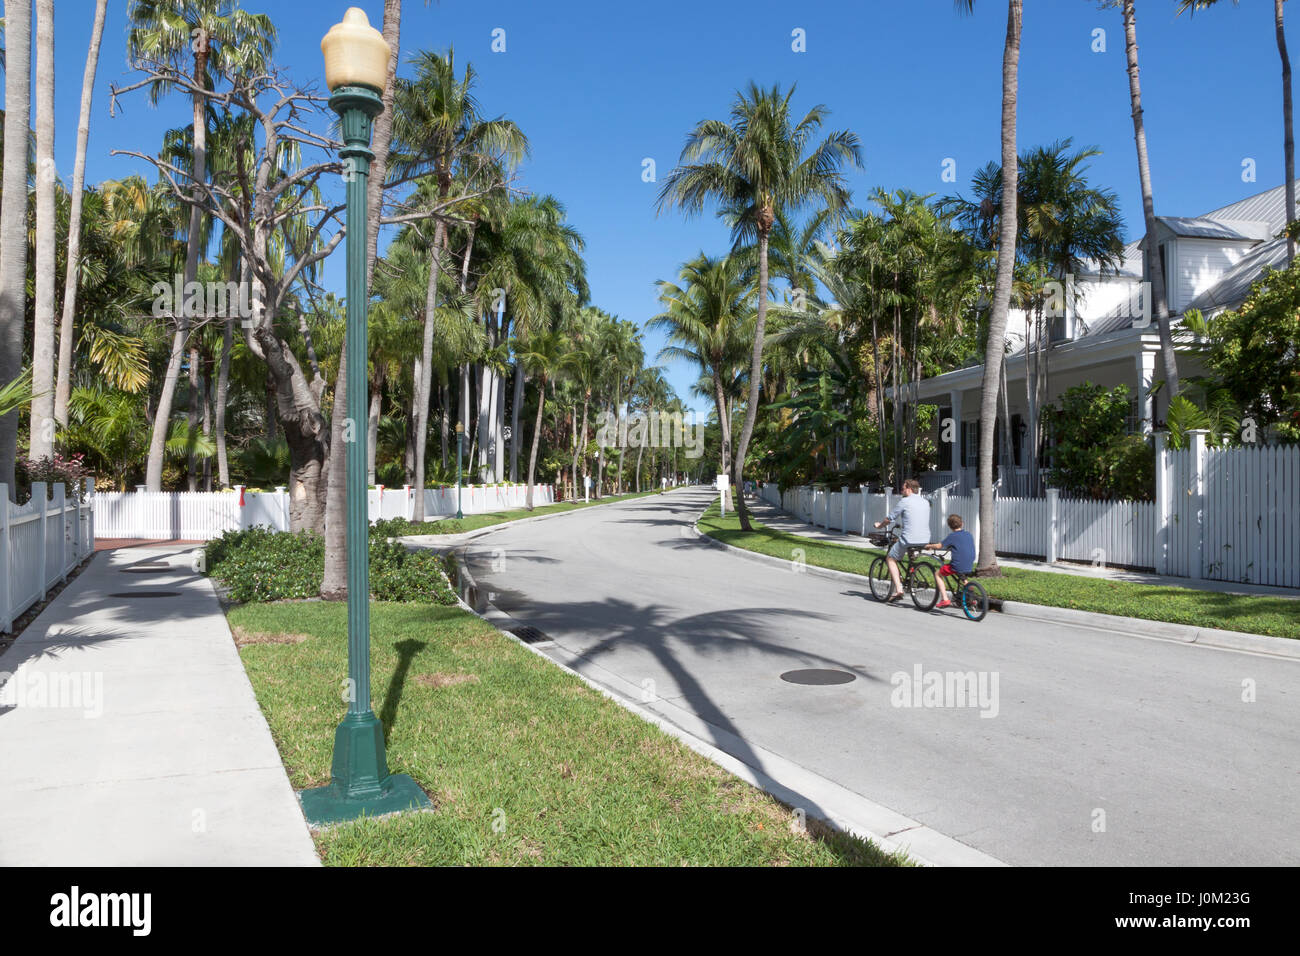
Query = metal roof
x=1203 y=227
x=1268 y=206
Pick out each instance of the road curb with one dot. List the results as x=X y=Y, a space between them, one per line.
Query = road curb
x=1110 y=623
x=838 y=807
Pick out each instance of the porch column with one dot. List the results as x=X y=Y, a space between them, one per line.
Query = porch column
x=954 y=399
x=1146 y=372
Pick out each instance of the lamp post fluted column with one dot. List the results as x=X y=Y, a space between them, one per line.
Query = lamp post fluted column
x=360 y=784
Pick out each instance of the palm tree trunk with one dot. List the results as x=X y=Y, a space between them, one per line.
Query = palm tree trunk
x=223 y=390
x=444 y=420
x=993 y=350
x=1155 y=266
x=537 y=440
x=41 y=443
x=63 y=386
x=162 y=418
x=425 y=381
x=516 y=405
x=755 y=374
x=13 y=219
x=1289 y=140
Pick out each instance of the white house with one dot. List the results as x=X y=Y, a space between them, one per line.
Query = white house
x=1103 y=334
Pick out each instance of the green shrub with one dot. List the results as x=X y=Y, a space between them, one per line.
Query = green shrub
x=259 y=564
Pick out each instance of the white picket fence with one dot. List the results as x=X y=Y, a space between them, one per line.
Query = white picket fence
x=1221 y=514
x=201 y=516
x=40 y=542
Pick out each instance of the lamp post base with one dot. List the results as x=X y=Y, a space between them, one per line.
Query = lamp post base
x=361 y=784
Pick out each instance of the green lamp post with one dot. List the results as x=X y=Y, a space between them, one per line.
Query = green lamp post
x=460 y=451
x=356 y=68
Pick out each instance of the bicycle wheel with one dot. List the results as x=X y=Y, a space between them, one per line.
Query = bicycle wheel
x=974 y=600
x=924 y=591
x=881 y=585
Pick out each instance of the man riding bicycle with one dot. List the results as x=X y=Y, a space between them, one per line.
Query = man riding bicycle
x=913 y=513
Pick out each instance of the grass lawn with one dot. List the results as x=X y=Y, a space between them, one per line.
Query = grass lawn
x=525 y=764
x=474 y=522
x=1278 y=617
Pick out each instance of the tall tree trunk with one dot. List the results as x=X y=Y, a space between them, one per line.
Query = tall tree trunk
x=63 y=386
x=425 y=381
x=162 y=418
x=334 y=582
x=41 y=440
x=372 y=431
x=1289 y=137
x=192 y=418
x=13 y=218
x=1154 y=259
x=537 y=441
x=993 y=350
x=444 y=421
x=755 y=368
x=223 y=391
x=516 y=406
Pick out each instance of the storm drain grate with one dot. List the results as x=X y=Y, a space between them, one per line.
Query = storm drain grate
x=528 y=634
x=818 y=676
x=145 y=594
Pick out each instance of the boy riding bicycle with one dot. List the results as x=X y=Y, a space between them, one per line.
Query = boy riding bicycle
x=962 y=546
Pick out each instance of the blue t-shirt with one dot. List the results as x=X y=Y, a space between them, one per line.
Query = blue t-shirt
x=963 y=551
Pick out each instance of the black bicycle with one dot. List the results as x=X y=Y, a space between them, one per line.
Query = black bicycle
x=916 y=576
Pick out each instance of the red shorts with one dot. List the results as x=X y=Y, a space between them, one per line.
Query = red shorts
x=947 y=569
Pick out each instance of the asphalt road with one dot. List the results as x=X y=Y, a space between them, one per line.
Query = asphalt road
x=1097 y=748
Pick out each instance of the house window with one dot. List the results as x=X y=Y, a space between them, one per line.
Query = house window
x=970 y=444
x=1132 y=424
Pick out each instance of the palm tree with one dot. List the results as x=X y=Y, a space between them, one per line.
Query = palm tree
x=441 y=129
x=1152 y=254
x=63 y=379
x=13 y=219
x=545 y=355
x=41 y=441
x=214 y=34
x=753 y=166
x=1288 y=146
x=708 y=322
x=995 y=346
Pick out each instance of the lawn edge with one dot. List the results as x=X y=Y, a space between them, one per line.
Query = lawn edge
x=1213 y=637
x=936 y=849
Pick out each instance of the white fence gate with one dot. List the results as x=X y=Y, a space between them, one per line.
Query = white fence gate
x=40 y=542
x=1229 y=514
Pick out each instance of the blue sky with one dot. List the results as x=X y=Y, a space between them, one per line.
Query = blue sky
x=598 y=87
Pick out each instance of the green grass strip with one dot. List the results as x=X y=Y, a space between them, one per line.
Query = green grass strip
x=524 y=762
x=1253 y=614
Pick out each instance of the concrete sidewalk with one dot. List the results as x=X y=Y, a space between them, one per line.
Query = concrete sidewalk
x=130 y=735
x=779 y=520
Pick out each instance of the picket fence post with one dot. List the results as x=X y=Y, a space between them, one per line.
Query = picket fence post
x=39 y=493
x=1163 y=509
x=844 y=509
x=61 y=505
x=1053 y=529
x=1198 y=436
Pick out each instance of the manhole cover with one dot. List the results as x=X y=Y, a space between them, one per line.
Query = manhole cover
x=818 y=676
x=528 y=634
x=145 y=594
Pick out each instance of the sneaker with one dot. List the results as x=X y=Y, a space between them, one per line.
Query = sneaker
x=944 y=603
